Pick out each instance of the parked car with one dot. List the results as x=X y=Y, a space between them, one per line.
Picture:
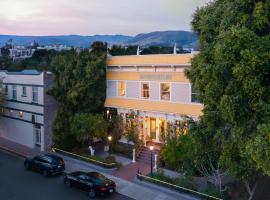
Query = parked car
x=47 y=164
x=93 y=183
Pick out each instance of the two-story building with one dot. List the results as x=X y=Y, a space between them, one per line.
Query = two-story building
x=153 y=86
x=28 y=113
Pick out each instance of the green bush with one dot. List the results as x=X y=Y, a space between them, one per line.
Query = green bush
x=122 y=149
x=110 y=159
x=212 y=191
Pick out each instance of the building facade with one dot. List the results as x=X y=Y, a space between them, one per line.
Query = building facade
x=28 y=113
x=155 y=88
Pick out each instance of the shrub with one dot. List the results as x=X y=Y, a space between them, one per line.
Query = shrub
x=122 y=149
x=110 y=159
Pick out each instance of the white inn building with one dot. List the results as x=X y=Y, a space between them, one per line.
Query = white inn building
x=28 y=113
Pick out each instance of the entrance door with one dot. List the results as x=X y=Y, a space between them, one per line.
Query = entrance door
x=37 y=135
x=153 y=135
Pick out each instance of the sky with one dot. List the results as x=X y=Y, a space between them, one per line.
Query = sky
x=90 y=17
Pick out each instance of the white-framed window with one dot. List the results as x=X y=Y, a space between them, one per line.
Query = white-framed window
x=194 y=95
x=14 y=92
x=165 y=91
x=34 y=94
x=24 y=94
x=121 y=88
x=145 y=90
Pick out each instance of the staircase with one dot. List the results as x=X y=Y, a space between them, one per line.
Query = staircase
x=145 y=155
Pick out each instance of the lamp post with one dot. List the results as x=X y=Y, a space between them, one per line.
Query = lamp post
x=109 y=139
x=108 y=112
x=151 y=164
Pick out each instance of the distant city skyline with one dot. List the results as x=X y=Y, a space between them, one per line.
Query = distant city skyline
x=90 y=17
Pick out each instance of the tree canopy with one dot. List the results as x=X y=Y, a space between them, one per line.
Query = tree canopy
x=232 y=76
x=80 y=86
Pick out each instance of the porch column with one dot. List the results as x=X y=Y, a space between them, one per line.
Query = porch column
x=144 y=129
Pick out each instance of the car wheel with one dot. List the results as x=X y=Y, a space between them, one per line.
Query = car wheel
x=26 y=166
x=45 y=173
x=91 y=193
x=67 y=182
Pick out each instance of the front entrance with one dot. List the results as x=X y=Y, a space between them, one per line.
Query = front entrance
x=37 y=136
x=153 y=133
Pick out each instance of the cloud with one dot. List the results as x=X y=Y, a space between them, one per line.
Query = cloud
x=38 y=17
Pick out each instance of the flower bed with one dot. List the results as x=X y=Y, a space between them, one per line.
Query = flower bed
x=103 y=162
x=177 y=184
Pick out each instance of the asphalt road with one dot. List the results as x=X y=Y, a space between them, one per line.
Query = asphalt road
x=18 y=184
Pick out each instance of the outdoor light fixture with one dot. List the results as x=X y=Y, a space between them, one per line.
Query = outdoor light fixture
x=110 y=138
x=151 y=164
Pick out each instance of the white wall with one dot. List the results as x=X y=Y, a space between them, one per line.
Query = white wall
x=17 y=131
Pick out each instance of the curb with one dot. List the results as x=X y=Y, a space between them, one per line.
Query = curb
x=13 y=152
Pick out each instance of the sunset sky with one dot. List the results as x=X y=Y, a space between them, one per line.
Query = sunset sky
x=89 y=17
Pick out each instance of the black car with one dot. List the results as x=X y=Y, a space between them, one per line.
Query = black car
x=93 y=183
x=48 y=164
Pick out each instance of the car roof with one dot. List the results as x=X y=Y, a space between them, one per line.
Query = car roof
x=53 y=156
x=77 y=173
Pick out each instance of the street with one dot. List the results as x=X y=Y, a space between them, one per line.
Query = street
x=18 y=184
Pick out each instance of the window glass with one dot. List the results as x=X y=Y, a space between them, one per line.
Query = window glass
x=121 y=88
x=145 y=90
x=34 y=94
x=165 y=91
x=6 y=89
x=194 y=96
x=14 y=92
x=24 y=91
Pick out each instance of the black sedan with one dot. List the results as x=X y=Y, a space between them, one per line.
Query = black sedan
x=48 y=164
x=93 y=183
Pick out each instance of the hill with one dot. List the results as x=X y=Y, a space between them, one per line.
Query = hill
x=161 y=38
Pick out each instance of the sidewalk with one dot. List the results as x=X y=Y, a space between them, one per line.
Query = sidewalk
x=136 y=190
x=17 y=149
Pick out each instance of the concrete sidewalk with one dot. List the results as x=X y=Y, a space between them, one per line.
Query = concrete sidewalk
x=127 y=188
x=136 y=190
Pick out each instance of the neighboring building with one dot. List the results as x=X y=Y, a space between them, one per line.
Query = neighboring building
x=155 y=88
x=21 y=52
x=28 y=114
x=56 y=47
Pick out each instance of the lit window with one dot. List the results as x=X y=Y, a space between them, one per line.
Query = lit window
x=24 y=91
x=145 y=90
x=194 y=96
x=34 y=94
x=121 y=88
x=14 y=92
x=21 y=114
x=165 y=91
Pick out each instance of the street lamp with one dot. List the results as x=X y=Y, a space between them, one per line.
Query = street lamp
x=151 y=164
x=109 y=139
x=108 y=112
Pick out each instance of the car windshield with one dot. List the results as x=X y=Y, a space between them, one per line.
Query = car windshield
x=97 y=176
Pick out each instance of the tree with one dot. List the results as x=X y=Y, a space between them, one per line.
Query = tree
x=232 y=76
x=80 y=85
x=85 y=127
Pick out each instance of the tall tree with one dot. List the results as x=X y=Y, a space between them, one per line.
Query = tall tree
x=232 y=76
x=80 y=85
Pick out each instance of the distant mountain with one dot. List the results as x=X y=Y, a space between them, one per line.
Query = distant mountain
x=70 y=40
x=163 y=38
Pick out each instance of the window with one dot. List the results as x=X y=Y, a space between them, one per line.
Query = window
x=6 y=89
x=121 y=88
x=194 y=95
x=21 y=114
x=24 y=91
x=145 y=90
x=34 y=94
x=14 y=92
x=165 y=91
x=33 y=118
